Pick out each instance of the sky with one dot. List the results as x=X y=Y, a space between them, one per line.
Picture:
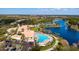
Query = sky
x=40 y=11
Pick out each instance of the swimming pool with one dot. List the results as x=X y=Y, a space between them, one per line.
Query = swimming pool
x=41 y=37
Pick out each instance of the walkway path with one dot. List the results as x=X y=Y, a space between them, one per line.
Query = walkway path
x=54 y=46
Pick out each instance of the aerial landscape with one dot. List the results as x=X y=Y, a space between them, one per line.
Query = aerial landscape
x=39 y=29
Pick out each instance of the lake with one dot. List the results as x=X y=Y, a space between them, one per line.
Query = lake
x=63 y=31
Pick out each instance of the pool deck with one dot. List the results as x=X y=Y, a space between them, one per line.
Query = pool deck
x=46 y=41
x=53 y=47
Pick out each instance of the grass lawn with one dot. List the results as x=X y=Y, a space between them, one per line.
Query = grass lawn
x=36 y=29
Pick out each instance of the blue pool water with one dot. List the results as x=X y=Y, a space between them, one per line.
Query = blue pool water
x=41 y=37
x=63 y=31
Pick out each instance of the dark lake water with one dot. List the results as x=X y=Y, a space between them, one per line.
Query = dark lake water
x=63 y=31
